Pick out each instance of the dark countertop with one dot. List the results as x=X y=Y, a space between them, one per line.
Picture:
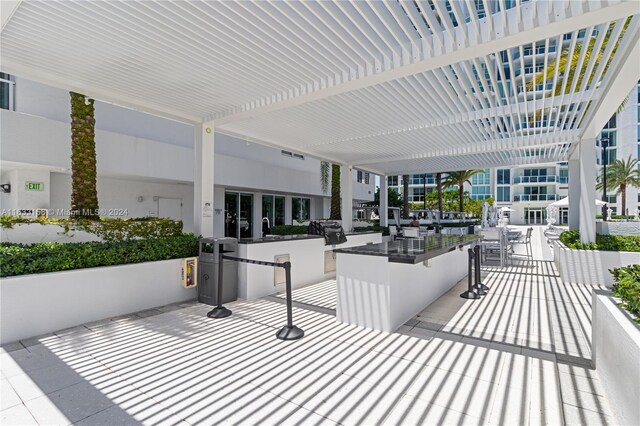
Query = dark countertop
x=413 y=250
x=277 y=238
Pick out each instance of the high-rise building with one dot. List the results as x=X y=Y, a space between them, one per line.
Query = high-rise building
x=530 y=189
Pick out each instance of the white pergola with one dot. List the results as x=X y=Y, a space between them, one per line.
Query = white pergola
x=391 y=87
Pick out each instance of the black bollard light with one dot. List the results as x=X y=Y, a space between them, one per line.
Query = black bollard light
x=479 y=286
x=219 y=311
x=470 y=294
x=289 y=331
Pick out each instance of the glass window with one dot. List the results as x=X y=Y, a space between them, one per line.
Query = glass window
x=417 y=195
x=6 y=91
x=503 y=193
x=392 y=180
x=483 y=178
x=362 y=177
x=300 y=208
x=273 y=209
x=611 y=124
x=480 y=192
x=504 y=177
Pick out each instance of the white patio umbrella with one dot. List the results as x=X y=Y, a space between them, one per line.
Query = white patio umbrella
x=565 y=203
x=506 y=209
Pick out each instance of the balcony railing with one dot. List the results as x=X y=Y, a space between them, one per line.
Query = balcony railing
x=536 y=197
x=540 y=179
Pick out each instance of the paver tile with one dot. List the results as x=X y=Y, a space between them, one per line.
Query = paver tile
x=16 y=415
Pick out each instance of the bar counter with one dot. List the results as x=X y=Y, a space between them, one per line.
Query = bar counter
x=383 y=295
x=413 y=250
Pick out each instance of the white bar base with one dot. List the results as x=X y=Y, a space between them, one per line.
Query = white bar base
x=375 y=293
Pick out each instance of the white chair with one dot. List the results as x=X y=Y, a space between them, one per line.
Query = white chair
x=526 y=241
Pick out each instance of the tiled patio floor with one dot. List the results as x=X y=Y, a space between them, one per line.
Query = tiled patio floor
x=176 y=366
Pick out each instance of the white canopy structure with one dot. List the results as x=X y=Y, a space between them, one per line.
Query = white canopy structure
x=565 y=203
x=390 y=87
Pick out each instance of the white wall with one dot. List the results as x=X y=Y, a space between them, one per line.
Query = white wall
x=123 y=194
x=20 y=197
x=616 y=351
x=37 y=99
x=32 y=140
x=70 y=298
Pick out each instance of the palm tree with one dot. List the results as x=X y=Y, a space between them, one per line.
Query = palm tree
x=439 y=188
x=405 y=196
x=84 y=195
x=567 y=68
x=325 y=167
x=458 y=179
x=620 y=175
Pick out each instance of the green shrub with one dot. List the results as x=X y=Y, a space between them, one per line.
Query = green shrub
x=627 y=288
x=571 y=239
x=374 y=228
x=109 y=229
x=38 y=258
x=289 y=229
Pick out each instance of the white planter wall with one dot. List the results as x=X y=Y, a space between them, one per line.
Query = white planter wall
x=618 y=228
x=31 y=305
x=616 y=355
x=590 y=266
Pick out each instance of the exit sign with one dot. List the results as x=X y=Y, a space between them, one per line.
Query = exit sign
x=34 y=186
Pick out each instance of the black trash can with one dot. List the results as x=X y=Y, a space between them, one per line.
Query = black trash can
x=208 y=264
x=471 y=229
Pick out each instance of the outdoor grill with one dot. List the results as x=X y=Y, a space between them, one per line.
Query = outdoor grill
x=331 y=231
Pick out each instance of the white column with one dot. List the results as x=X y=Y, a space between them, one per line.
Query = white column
x=588 y=173
x=384 y=202
x=257 y=215
x=288 y=216
x=203 y=180
x=346 y=196
x=574 y=192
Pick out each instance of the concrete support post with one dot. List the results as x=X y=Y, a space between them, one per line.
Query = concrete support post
x=574 y=192
x=203 y=179
x=346 y=195
x=288 y=208
x=587 y=205
x=257 y=215
x=384 y=202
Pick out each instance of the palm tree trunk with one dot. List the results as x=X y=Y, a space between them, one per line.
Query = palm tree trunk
x=623 y=192
x=336 y=214
x=439 y=185
x=461 y=189
x=405 y=196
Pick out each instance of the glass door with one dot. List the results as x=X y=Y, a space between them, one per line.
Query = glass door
x=231 y=200
x=246 y=216
x=272 y=209
x=238 y=215
x=535 y=217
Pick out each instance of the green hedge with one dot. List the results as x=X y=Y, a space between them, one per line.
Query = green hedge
x=627 y=288
x=289 y=229
x=109 y=229
x=20 y=259
x=571 y=239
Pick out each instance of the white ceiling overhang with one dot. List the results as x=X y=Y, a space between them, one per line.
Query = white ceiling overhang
x=392 y=87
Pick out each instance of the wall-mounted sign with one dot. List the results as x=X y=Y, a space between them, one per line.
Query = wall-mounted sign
x=34 y=186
